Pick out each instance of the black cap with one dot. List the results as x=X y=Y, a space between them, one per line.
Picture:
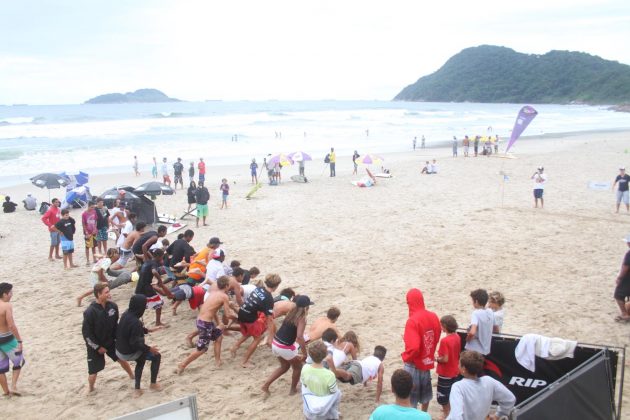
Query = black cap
x=214 y=241
x=303 y=301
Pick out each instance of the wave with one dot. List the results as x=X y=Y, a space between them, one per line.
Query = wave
x=172 y=115
x=10 y=154
x=17 y=120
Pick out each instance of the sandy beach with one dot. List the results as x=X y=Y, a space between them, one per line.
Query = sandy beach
x=360 y=249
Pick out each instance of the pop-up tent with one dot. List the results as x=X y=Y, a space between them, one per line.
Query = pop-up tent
x=144 y=209
x=580 y=387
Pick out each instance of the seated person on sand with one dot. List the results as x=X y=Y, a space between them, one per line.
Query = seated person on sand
x=102 y=267
x=434 y=167
x=368 y=181
x=427 y=168
x=255 y=316
x=339 y=348
x=321 y=324
x=208 y=325
x=363 y=371
x=130 y=345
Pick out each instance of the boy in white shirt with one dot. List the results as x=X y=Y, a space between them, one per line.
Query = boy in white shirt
x=479 y=335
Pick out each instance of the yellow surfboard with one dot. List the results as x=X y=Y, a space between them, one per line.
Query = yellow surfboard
x=253 y=190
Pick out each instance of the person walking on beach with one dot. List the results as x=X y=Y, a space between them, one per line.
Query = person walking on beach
x=191 y=171
x=622 y=193
x=154 y=168
x=202 y=195
x=422 y=142
x=414 y=143
x=10 y=342
x=333 y=160
x=622 y=285
x=356 y=156
x=225 y=192
x=165 y=177
x=422 y=334
x=136 y=171
x=178 y=170
x=201 y=167
x=52 y=216
x=454 y=146
x=253 y=169
x=99 y=332
x=540 y=179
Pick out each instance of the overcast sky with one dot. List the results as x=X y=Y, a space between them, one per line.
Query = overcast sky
x=62 y=51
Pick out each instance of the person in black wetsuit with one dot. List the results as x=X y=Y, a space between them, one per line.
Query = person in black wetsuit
x=289 y=342
x=130 y=345
x=99 y=333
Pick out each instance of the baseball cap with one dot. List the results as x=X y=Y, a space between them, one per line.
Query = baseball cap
x=303 y=301
x=626 y=238
x=622 y=168
x=215 y=241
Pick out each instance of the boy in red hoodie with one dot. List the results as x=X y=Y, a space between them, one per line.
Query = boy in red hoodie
x=422 y=333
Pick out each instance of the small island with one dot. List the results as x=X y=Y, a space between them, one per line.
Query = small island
x=494 y=74
x=139 y=96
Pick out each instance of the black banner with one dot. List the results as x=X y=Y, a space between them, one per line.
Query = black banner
x=502 y=365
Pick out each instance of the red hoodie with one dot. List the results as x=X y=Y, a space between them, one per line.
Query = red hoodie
x=422 y=333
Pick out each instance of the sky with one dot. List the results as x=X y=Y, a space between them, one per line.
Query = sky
x=64 y=52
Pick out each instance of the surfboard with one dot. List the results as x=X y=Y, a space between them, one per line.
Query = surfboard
x=253 y=190
x=299 y=178
x=383 y=175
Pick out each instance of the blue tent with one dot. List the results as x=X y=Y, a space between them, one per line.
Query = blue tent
x=77 y=197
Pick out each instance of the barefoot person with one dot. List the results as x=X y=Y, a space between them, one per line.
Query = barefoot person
x=66 y=228
x=99 y=271
x=52 y=216
x=99 y=332
x=255 y=315
x=148 y=272
x=362 y=371
x=288 y=342
x=321 y=324
x=10 y=342
x=208 y=324
x=130 y=345
x=622 y=289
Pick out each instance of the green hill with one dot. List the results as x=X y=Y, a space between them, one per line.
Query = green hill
x=139 y=96
x=497 y=74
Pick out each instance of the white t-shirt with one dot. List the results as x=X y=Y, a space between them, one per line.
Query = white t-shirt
x=102 y=264
x=126 y=230
x=498 y=319
x=214 y=270
x=484 y=320
x=433 y=168
x=164 y=169
x=539 y=181
x=247 y=290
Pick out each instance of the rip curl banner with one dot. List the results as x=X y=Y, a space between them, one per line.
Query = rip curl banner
x=501 y=364
x=525 y=116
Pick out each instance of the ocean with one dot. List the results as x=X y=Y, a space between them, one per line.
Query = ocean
x=104 y=138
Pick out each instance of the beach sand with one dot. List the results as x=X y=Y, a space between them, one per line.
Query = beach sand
x=360 y=249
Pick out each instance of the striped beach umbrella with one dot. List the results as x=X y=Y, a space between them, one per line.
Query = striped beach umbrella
x=369 y=160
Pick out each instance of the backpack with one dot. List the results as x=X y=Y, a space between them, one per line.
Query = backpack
x=327 y=158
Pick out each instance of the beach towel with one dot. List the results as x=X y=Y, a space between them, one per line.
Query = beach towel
x=532 y=345
x=320 y=408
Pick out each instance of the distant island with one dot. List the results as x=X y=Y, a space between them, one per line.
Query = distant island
x=501 y=75
x=139 y=96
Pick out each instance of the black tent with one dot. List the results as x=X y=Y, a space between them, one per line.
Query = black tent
x=144 y=209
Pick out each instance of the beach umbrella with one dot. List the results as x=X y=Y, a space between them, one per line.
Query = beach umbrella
x=282 y=159
x=369 y=160
x=48 y=180
x=299 y=156
x=76 y=180
x=124 y=187
x=154 y=188
x=116 y=193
